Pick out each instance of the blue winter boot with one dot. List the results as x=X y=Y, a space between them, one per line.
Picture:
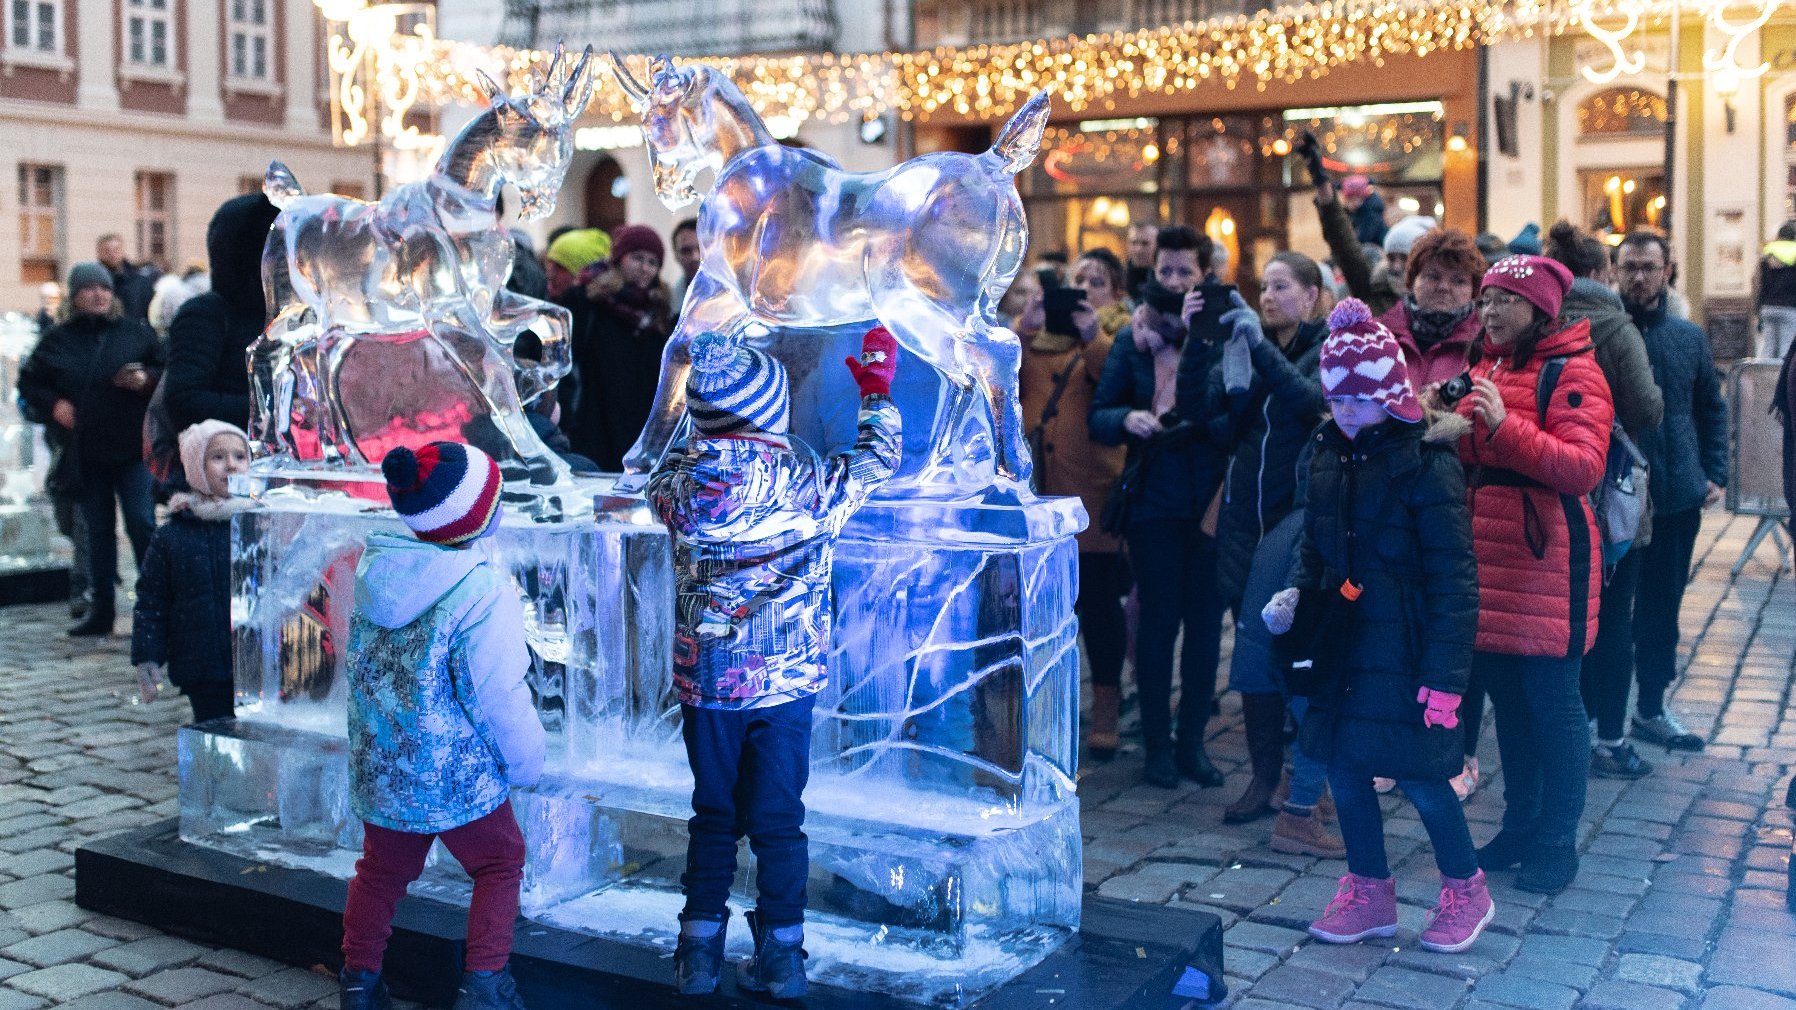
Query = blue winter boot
x=698 y=957
x=362 y=990
x=777 y=968
x=488 y=990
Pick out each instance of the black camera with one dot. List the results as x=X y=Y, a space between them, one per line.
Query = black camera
x=1455 y=389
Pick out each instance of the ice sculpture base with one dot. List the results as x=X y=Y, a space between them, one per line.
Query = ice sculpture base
x=1126 y=955
x=919 y=910
x=34 y=558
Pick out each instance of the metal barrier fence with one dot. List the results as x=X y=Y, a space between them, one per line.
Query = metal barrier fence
x=1755 y=460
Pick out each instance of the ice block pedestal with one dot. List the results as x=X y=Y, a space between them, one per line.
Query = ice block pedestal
x=944 y=827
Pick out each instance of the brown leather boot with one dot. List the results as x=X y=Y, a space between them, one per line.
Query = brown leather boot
x=1263 y=718
x=1306 y=835
x=1101 y=738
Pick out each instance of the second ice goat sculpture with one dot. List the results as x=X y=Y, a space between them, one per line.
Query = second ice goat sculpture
x=425 y=266
x=792 y=241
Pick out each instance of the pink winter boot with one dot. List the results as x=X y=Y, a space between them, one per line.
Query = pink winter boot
x=1363 y=907
x=1464 y=911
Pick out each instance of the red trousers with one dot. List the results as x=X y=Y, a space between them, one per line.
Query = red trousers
x=491 y=849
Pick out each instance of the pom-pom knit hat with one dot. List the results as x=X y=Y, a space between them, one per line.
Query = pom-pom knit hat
x=1543 y=282
x=1362 y=358
x=733 y=388
x=447 y=492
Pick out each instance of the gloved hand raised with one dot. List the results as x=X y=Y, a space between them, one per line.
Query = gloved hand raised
x=1442 y=708
x=1281 y=611
x=1242 y=321
x=878 y=363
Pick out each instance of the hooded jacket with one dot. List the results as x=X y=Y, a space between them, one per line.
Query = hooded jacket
x=1539 y=557
x=1621 y=354
x=1689 y=446
x=1264 y=428
x=76 y=362
x=1388 y=510
x=441 y=724
x=208 y=373
x=754 y=519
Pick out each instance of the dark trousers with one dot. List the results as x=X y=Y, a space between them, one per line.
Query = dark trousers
x=66 y=508
x=1609 y=665
x=491 y=849
x=101 y=485
x=1103 y=582
x=1362 y=824
x=1471 y=713
x=1544 y=742
x=212 y=699
x=1175 y=574
x=749 y=768
x=1664 y=572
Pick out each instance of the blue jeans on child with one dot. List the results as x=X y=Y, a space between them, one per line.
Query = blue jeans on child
x=1362 y=824
x=1543 y=738
x=1308 y=775
x=749 y=768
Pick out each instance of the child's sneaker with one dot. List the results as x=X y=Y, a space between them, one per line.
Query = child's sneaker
x=698 y=961
x=362 y=990
x=1363 y=907
x=488 y=990
x=1464 y=911
x=777 y=968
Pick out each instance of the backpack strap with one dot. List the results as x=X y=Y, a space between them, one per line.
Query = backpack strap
x=1548 y=383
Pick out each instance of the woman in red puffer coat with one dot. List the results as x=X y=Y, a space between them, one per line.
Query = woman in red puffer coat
x=1539 y=555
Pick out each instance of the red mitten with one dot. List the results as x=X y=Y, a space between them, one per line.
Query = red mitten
x=878 y=362
x=1442 y=708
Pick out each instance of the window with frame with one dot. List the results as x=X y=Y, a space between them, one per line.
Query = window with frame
x=155 y=217
x=40 y=223
x=250 y=37
x=150 y=33
x=34 y=26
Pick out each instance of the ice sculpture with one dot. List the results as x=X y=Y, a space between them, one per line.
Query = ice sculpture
x=392 y=324
x=28 y=538
x=792 y=241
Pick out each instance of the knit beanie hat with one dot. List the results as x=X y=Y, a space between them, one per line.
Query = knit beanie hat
x=733 y=388
x=636 y=238
x=447 y=492
x=1403 y=235
x=89 y=274
x=575 y=250
x=1527 y=241
x=1541 y=281
x=194 y=443
x=1362 y=358
x=1356 y=187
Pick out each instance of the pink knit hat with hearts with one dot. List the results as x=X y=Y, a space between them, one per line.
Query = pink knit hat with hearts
x=1362 y=358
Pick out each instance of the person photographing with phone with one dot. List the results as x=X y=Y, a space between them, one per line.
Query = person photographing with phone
x=1064 y=349
x=92 y=376
x=1146 y=401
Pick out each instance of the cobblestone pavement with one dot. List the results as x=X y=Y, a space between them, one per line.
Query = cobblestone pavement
x=1680 y=902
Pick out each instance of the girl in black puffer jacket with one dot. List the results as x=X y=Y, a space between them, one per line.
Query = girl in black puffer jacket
x=1387 y=528
x=183 y=616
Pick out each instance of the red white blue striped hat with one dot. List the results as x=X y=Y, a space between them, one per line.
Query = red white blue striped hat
x=447 y=492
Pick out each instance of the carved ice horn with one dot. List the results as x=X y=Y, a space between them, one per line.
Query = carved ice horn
x=550 y=81
x=494 y=93
x=579 y=87
x=633 y=88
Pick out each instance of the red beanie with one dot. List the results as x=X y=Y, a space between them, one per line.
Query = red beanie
x=1362 y=358
x=1541 y=281
x=636 y=238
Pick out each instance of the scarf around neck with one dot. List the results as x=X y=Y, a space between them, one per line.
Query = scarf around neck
x=1430 y=327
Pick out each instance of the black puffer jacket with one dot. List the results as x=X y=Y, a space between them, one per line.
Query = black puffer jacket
x=208 y=375
x=76 y=362
x=1177 y=482
x=1689 y=447
x=1395 y=501
x=183 y=615
x=1264 y=429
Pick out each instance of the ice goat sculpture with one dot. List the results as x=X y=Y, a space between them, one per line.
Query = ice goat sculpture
x=426 y=266
x=792 y=241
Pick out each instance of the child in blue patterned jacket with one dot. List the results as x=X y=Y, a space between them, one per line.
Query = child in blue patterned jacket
x=441 y=725
x=754 y=516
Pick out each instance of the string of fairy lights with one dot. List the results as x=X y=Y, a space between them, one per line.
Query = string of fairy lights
x=1091 y=72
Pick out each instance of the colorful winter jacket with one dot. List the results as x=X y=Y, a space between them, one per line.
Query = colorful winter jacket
x=441 y=724
x=754 y=520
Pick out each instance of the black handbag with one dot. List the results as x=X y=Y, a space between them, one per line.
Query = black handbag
x=1311 y=656
x=1127 y=488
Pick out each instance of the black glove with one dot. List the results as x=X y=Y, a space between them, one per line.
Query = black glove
x=1311 y=152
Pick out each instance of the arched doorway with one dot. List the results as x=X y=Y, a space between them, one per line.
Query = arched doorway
x=606 y=187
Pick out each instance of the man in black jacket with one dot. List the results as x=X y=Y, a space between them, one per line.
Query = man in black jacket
x=132 y=284
x=1688 y=456
x=208 y=375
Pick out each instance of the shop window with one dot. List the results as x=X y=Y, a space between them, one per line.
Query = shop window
x=40 y=223
x=1112 y=156
x=1617 y=201
x=155 y=217
x=1005 y=19
x=1622 y=112
x=1394 y=142
x=150 y=33
x=34 y=26
x=250 y=38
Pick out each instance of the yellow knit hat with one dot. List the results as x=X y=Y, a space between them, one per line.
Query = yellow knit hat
x=574 y=250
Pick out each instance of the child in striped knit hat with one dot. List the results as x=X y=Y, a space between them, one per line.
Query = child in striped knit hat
x=754 y=515
x=441 y=725
x=1387 y=551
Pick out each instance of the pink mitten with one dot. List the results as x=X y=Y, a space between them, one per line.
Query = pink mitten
x=1443 y=708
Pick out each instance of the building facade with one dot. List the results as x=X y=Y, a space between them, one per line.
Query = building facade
x=139 y=117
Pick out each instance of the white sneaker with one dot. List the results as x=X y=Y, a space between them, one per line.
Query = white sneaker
x=1665 y=730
